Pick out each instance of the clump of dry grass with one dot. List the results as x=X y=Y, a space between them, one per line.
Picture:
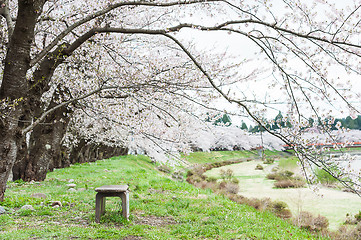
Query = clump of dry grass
x=347 y=233
x=310 y=222
x=285 y=179
x=280 y=209
x=289 y=183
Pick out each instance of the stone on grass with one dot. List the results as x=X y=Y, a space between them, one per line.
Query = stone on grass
x=56 y=204
x=38 y=195
x=2 y=210
x=71 y=190
x=71 y=185
x=27 y=207
x=71 y=180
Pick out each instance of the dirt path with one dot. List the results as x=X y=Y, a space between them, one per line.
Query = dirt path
x=333 y=204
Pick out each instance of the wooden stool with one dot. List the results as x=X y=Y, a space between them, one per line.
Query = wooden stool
x=111 y=191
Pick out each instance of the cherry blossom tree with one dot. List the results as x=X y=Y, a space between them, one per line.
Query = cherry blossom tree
x=127 y=66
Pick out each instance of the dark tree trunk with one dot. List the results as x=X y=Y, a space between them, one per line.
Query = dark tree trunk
x=9 y=135
x=14 y=86
x=45 y=141
x=21 y=158
x=90 y=152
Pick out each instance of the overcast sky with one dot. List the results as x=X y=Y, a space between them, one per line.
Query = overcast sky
x=240 y=46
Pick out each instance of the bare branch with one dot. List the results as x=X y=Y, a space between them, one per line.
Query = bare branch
x=105 y=11
x=43 y=116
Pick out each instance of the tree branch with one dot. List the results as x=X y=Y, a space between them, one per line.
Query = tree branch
x=43 y=116
x=5 y=12
x=104 y=11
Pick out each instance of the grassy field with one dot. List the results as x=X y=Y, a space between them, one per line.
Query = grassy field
x=160 y=208
x=331 y=203
x=218 y=156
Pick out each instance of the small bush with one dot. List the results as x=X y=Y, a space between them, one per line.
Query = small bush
x=232 y=188
x=308 y=221
x=222 y=185
x=289 y=183
x=235 y=181
x=211 y=179
x=348 y=233
x=259 y=167
x=268 y=161
x=285 y=179
x=194 y=179
x=227 y=174
x=280 y=209
x=284 y=175
x=276 y=169
x=280 y=175
x=279 y=205
x=271 y=176
x=358 y=216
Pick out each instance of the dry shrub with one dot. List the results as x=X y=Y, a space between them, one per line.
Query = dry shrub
x=227 y=174
x=213 y=186
x=282 y=175
x=198 y=171
x=232 y=188
x=347 y=233
x=271 y=176
x=289 y=183
x=197 y=184
x=268 y=160
x=206 y=184
x=237 y=198
x=351 y=219
x=196 y=179
x=260 y=204
x=254 y=202
x=215 y=165
x=280 y=209
x=308 y=221
x=222 y=185
x=211 y=179
x=259 y=167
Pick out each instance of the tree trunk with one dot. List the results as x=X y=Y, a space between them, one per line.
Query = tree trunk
x=45 y=141
x=14 y=86
x=9 y=135
x=21 y=158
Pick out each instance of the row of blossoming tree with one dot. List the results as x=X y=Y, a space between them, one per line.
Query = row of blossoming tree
x=128 y=72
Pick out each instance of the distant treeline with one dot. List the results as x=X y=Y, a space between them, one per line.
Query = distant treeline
x=280 y=122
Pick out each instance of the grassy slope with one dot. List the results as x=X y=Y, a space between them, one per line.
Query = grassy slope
x=160 y=208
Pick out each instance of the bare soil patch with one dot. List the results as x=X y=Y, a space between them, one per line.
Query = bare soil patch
x=154 y=221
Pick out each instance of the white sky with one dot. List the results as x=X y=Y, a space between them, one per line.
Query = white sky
x=242 y=47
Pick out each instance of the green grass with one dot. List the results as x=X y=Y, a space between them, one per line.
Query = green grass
x=160 y=208
x=288 y=163
x=218 y=156
x=331 y=203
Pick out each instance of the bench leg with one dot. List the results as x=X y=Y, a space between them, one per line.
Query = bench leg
x=125 y=204
x=102 y=205
x=98 y=207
